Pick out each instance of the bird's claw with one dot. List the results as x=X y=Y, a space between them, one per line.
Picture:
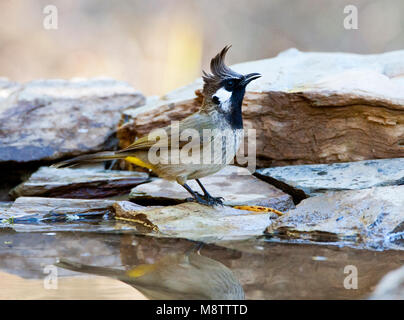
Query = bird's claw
x=216 y=200
x=206 y=200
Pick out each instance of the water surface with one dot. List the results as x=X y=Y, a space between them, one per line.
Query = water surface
x=265 y=270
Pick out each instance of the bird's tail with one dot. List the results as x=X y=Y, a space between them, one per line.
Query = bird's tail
x=84 y=268
x=127 y=276
x=95 y=157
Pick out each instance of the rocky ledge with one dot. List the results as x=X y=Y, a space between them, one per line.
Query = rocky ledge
x=308 y=108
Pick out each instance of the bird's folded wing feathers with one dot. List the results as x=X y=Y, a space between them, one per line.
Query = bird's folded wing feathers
x=163 y=137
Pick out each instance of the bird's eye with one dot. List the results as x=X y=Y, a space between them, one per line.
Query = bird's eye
x=230 y=83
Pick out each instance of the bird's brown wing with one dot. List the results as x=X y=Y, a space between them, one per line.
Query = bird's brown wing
x=195 y=124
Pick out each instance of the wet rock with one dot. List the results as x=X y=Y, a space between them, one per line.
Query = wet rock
x=51 y=119
x=391 y=287
x=36 y=214
x=311 y=180
x=307 y=108
x=236 y=185
x=79 y=183
x=196 y=222
x=369 y=218
x=24 y=206
x=188 y=220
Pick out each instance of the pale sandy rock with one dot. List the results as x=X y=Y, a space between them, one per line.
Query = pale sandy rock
x=308 y=107
x=236 y=185
x=196 y=222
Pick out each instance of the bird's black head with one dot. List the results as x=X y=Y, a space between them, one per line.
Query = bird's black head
x=224 y=89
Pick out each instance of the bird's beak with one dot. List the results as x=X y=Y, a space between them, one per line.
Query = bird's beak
x=250 y=77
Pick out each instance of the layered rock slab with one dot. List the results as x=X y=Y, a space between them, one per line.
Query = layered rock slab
x=312 y=180
x=79 y=183
x=197 y=222
x=50 y=119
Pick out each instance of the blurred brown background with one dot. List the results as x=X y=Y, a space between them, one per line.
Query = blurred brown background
x=158 y=45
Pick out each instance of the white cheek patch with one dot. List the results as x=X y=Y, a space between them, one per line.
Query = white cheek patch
x=224 y=98
x=222 y=94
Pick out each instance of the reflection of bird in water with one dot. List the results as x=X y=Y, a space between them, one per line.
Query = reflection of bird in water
x=176 y=276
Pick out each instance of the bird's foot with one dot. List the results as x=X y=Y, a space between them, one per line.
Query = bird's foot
x=207 y=200
x=214 y=201
x=198 y=200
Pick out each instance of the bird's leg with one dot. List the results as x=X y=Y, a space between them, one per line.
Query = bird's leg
x=208 y=197
x=196 y=195
x=195 y=248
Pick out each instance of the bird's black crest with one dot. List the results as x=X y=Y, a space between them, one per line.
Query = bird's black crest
x=219 y=69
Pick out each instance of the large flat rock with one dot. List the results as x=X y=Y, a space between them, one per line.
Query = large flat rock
x=370 y=218
x=307 y=108
x=79 y=183
x=236 y=185
x=196 y=222
x=51 y=119
x=316 y=179
x=188 y=220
